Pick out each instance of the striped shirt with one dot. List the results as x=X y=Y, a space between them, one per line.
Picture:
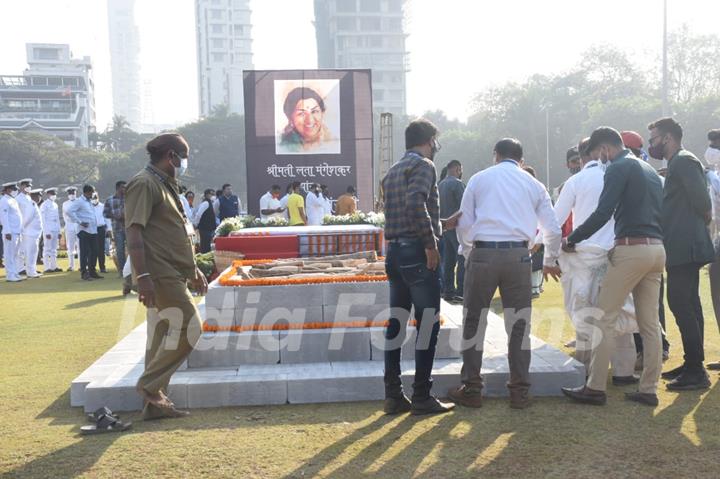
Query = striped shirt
x=410 y=193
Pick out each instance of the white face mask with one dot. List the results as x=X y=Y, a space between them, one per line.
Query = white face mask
x=52 y=197
x=27 y=189
x=183 y=167
x=72 y=197
x=712 y=156
x=213 y=198
x=14 y=193
x=95 y=202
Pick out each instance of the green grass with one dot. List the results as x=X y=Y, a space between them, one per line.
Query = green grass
x=54 y=327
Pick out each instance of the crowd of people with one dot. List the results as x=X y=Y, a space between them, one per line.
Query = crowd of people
x=617 y=228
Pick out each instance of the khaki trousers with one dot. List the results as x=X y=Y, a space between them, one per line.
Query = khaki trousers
x=637 y=270
x=487 y=270
x=173 y=330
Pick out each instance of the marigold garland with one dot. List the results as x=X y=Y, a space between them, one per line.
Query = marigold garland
x=208 y=328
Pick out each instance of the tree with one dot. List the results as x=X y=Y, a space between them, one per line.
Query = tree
x=119 y=137
x=694 y=70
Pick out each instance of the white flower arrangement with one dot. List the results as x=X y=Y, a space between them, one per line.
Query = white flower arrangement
x=358 y=218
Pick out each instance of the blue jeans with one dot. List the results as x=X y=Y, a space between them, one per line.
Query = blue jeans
x=119 y=236
x=412 y=285
x=450 y=260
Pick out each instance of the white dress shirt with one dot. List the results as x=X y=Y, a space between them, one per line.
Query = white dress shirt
x=32 y=222
x=714 y=181
x=327 y=206
x=82 y=211
x=100 y=219
x=268 y=202
x=10 y=215
x=505 y=203
x=50 y=217
x=283 y=203
x=70 y=225
x=580 y=195
x=315 y=206
x=186 y=207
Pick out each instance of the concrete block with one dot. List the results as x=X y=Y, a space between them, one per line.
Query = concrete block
x=226 y=389
x=226 y=349
x=350 y=381
x=448 y=344
x=445 y=375
x=270 y=305
x=356 y=312
x=368 y=293
x=220 y=305
x=324 y=345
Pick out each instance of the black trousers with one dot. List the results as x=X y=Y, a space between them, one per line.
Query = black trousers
x=102 y=231
x=683 y=283
x=88 y=251
x=661 y=314
x=206 y=237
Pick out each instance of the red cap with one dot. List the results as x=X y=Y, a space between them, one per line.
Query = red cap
x=631 y=139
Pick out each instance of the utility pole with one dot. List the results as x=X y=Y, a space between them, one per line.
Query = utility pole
x=665 y=101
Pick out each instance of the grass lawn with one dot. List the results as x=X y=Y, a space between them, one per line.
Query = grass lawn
x=55 y=327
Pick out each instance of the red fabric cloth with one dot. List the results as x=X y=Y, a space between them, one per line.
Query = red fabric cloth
x=567 y=228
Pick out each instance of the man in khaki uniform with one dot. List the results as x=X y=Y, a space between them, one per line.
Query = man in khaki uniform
x=162 y=258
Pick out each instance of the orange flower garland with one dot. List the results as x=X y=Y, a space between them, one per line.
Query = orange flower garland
x=316 y=325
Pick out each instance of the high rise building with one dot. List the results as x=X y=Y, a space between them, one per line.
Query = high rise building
x=124 y=61
x=224 y=49
x=54 y=95
x=366 y=34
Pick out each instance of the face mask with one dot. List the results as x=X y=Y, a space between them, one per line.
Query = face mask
x=26 y=189
x=213 y=198
x=52 y=197
x=95 y=202
x=179 y=171
x=575 y=169
x=712 y=156
x=14 y=193
x=72 y=197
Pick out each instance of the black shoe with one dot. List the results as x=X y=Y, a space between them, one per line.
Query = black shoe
x=430 y=405
x=453 y=299
x=22 y=273
x=86 y=276
x=673 y=373
x=396 y=405
x=689 y=381
x=625 y=380
x=103 y=270
x=643 y=398
x=586 y=395
x=58 y=270
x=713 y=366
x=94 y=275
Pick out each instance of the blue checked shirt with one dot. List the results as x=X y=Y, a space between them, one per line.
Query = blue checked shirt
x=410 y=194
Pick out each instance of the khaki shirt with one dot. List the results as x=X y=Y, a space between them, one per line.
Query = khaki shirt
x=150 y=203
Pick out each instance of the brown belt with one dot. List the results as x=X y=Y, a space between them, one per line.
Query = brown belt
x=637 y=241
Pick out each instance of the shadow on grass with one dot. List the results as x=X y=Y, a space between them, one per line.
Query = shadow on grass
x=94 y=302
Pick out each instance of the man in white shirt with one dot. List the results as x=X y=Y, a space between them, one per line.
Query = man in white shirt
x=31 y=230
x=501 y=208
x=328 y=205
x=284 y=201
x=11 y=222
x=104 y=226
x=50 y=214
x=71 y=228
x=315 y=205
x=82 y=212
x=584 y=270
x=270 y=206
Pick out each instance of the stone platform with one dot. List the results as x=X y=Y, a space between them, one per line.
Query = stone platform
x=238 y=369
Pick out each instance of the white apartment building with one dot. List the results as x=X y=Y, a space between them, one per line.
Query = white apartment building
x=124 y=61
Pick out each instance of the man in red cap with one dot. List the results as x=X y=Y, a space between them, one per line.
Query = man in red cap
x=634 y=142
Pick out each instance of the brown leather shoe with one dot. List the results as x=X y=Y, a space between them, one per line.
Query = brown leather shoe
x=585 y=395
x=171 y=413
x=519 y=398
x=643 y=398
x=465 y=397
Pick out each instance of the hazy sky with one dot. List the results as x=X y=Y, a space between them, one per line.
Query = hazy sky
x=457 y=47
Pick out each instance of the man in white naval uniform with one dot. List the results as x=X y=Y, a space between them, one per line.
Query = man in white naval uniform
x=71 y=228
x=11 y=221
x=50 y=214
x=31 y=230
